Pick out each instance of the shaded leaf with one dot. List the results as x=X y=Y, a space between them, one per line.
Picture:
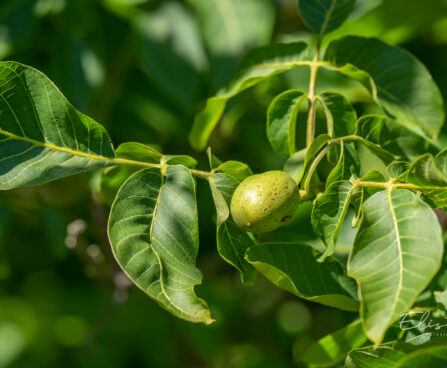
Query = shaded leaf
x=387 y=260
x=281 y=121
x=295 y=165
x=293 y=267
x=153 y=230
x=397 y=169
x=324 y=16
x=348 y=164
x=258 y=65
x=399 y=82
x=42 y=136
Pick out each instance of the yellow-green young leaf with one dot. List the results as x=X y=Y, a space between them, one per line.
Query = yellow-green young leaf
x=113 y=177
x=258 y=65
x=329 y=212
x=293 y=267
x=184 y=160
x=42 y=136
x=232 y=241
x=332 y=348
x=398 y=81
x=397 y=251
x=340 y=115
x=281 y=121
x=153 y=230
x=400 y=355
x=430 y=173
x=322 y=16
x=398 y=169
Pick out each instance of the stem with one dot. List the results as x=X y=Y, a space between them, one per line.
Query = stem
x=314 y=66
x=391 y=185
x=314 y=165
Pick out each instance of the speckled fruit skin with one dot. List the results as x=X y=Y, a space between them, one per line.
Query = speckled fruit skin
x=261 y=203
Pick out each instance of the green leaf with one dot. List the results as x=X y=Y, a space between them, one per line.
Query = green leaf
x=441 y=299
x=399 y=355
x=397 y=251
x=340 y=115
x=316 y=146
x=348 y=164
x=229 y=28
x=257 y=66
x=293 y=267
x=184 y=160
x=153 y=230
x=399 y=82
x=213 y=160
x=426 y=173
x=397 y=169
x=323 y=16
x=329 y=212
x=113 y=177
x=281 y=121
x=332 y=348
x=42 y=136
x=295 y=165
x=232 y=241
x=237 y=170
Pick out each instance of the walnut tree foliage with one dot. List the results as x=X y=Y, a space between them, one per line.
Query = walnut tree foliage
x=153 y=224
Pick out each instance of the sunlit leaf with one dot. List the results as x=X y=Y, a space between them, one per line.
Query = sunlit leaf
x=397 y=251
x=42 y=136
x=332 y=348
x=341 y=116
x=153 y=230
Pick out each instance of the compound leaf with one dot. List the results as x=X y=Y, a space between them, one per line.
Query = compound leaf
x=42 y=136
x=397 y=251
x=257 y=66
x=153 y=230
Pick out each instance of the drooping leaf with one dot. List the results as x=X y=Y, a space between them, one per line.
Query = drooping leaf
x=332 y=348
x=293 y=267
x=340 y=115
x=258 y=65
x=397 y=251
x=329 y=212
x=42 y=136
x=153 y=230
x=295 y=165
x=426 y=173
x=323 y=16
x=281 y=121
x=348 y=164
x=232 y=241
x=113 y=177
x=399 y=82
x=399 y=355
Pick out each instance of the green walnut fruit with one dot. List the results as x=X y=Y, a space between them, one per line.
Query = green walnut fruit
x=261 y=203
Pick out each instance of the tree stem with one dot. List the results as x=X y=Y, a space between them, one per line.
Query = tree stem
x=314 y=66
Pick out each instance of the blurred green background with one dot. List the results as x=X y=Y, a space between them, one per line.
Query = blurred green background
x=143 y=68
